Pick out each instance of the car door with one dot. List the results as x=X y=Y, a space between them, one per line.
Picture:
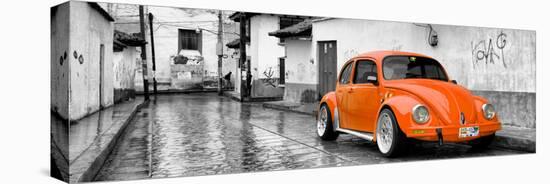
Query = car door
x=363 y=96
x=342 y=90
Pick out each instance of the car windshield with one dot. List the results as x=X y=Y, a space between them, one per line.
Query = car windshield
x=411 y=67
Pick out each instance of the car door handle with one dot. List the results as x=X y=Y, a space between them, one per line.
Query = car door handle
x=350 y=90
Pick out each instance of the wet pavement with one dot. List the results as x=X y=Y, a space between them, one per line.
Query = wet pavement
x=203 y=134
x=92 y=137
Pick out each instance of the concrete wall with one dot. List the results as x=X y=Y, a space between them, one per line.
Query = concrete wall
x=512 y=69
x=514 y=108
x=300 y=72
x=125 y=64
x=265 y=52
x=486 y=60
x=59 y=91
x=59 y=60
x=88 y=30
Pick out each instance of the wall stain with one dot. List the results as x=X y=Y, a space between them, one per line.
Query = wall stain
x=81 y=59
x=308 y=96
x=63 y=58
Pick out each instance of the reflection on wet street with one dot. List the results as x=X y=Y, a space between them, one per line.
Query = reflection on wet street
x=203 y=134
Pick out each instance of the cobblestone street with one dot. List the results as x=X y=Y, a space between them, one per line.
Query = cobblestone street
x=203 y=134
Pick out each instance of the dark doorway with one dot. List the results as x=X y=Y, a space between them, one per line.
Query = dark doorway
x=101 y=73
x=326 y=51
x=282 y=70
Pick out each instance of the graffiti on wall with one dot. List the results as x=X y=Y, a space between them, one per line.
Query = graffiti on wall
x=269 y=80
x=396 y=45
x=124 y=72
x=348 y=54
x=490 y=51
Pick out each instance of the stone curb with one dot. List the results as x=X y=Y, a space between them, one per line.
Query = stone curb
x=286 y=108
x=515 y=143
x=90 y=172
x=501 y=140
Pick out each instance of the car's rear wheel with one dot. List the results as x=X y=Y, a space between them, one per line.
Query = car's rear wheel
x=389 y=138
x=482 y=142
x=325 y=129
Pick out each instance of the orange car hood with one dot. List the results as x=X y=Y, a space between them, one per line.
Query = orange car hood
x=445 y=99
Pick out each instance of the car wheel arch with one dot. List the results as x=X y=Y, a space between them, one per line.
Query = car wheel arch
x=390 y=107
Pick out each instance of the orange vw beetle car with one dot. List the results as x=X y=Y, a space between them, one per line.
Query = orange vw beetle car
x=391 y=97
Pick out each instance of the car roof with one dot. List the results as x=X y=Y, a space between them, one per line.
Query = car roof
x=381 y=54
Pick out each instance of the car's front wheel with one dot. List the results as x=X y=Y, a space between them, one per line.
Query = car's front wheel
x=325 y=129
x=389 y=138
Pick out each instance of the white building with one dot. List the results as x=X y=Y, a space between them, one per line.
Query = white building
x=300 y=70
x=266 y=53
x=126 y=61
x=81 y=59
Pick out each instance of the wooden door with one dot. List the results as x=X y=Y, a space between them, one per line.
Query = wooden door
x=282 y=70
x=101 y=73
x=327 y=66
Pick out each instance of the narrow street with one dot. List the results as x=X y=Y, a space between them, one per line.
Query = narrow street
x=203 y=134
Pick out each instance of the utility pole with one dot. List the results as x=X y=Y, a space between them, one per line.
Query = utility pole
x=219 y=50
x=242 y=50
x=153 y=54
x=143 y=53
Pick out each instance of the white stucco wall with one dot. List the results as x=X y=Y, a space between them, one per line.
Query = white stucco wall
x=264 y=49
x=298 y=65
x=125 y=64
x=88 y=30
x=59 y=60
x=456 y=49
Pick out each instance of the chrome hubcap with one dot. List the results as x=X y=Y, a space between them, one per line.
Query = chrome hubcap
x=384 y=133
x=322 y=121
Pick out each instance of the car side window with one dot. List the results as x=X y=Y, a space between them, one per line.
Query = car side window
x=363 y=70
x=345 y=76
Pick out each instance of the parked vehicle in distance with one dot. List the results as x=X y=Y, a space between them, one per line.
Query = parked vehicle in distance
x=391 y=97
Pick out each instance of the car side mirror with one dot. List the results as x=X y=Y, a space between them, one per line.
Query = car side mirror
x=372 y=79
x=454 y=82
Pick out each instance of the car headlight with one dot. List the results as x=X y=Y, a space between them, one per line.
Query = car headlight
x=488 y=111
x=420 y=114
